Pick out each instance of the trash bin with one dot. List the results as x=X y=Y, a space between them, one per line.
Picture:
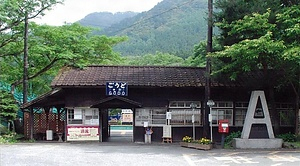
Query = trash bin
x=148 y=138
x=49 y=135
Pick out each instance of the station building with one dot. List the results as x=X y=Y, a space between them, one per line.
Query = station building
x=77 y=106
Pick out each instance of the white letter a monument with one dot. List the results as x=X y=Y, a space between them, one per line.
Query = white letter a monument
x=256 y=116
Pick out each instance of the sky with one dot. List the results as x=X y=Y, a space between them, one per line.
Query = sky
x=74 y=10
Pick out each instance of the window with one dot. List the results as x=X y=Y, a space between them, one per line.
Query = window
x=184 y=104
x=286 y=112
x=74 y=116
x=91 y=116
x=182 y=113
x=240 y=113
x=222 y=110
x=154 y=116
x=184 y=116
x=87 y=116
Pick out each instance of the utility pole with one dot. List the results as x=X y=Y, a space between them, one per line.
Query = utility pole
x=208 y=68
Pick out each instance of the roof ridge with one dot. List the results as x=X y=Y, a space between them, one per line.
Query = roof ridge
x=150 y=66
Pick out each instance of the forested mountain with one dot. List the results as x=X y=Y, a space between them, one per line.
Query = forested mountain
x=172 y=26
x=105 y=19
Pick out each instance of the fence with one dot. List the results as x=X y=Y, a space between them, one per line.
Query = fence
x=42 y=122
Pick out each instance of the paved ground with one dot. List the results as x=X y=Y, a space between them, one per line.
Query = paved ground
x=137 y=154
x=121 y=151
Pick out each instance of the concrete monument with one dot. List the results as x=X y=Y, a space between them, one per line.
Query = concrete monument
x=257 y=114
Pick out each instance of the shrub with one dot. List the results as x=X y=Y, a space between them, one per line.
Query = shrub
x=230 y=137
x=10 y=137
x=288 y=137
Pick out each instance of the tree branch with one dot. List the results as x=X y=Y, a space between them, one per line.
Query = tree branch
x=46 y=68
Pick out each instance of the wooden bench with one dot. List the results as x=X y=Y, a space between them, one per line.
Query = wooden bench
x=167 y=139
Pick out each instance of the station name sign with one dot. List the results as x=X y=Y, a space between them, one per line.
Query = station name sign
x=116 y=89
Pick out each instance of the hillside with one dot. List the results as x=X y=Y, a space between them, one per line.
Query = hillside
x=172 y=26
x=105 y=19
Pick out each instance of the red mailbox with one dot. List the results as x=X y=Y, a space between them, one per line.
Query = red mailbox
x=223 y=126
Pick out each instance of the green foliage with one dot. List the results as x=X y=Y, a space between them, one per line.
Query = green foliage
x=249 y=55
x=12 y=15
x=51 y=48
x=8 y=106
x=172 y=26
x=10 y=137
x=187 y=139
x=232 y=11
x=204 y=141
x=114 y=112
x=261 y=44
x=159 y=59
x=105 y=19
x=230 y=137
x=287 y=137
x=3 y=129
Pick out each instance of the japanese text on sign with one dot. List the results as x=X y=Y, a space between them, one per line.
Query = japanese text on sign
x=116 y=89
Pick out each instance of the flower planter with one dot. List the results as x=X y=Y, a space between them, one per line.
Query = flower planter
x=184 y=144
x=203 y=146
x=196 y=145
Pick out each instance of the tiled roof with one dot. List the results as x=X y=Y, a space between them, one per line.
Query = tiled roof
x=134 y=76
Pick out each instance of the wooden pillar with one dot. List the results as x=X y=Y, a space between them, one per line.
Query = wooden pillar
x=133 y=124
x=66 y=124
x=100 y=125
x=58 y=119
x=47 y=109
x=31 y=122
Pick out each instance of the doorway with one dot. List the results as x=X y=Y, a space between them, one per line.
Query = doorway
x=120 y=125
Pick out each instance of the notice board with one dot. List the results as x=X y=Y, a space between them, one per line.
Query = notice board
x=167 y=131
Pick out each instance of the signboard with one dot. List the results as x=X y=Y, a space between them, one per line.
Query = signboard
x=146 y=124
x=169 y=115
x=116 y=89
x=167 y=131
x=82 y=133
x=127 y=118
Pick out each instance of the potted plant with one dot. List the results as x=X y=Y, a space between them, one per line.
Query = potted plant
x=203 y=143
x=185 y=141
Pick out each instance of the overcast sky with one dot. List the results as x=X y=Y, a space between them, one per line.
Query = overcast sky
x=74 y=10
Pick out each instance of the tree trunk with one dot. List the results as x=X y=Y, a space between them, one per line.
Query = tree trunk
x=26 y=65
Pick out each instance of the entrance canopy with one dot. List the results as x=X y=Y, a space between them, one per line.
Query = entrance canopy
x=116 y=102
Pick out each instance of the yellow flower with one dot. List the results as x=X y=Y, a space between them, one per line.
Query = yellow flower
x=187 y=139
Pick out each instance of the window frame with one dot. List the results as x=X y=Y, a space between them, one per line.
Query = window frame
x=146 y=115
x=81 y=119
x=241 y=107
x=222 y=106
x=176 y=107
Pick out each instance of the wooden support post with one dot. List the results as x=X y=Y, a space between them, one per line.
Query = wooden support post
x=31 y=120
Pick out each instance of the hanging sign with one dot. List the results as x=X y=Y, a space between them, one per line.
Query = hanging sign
x=116 y=89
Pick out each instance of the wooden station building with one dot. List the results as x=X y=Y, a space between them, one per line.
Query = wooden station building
x=77 y=107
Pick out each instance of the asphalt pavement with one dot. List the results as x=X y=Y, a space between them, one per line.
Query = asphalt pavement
x=121 y=151
x=137 y=154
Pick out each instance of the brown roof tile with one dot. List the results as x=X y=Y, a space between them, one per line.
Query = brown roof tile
x=133 y=75
x=153 y=76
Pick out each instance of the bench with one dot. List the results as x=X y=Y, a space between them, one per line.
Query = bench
x=167 y=139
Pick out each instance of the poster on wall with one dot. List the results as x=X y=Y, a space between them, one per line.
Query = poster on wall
x=82 y=133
